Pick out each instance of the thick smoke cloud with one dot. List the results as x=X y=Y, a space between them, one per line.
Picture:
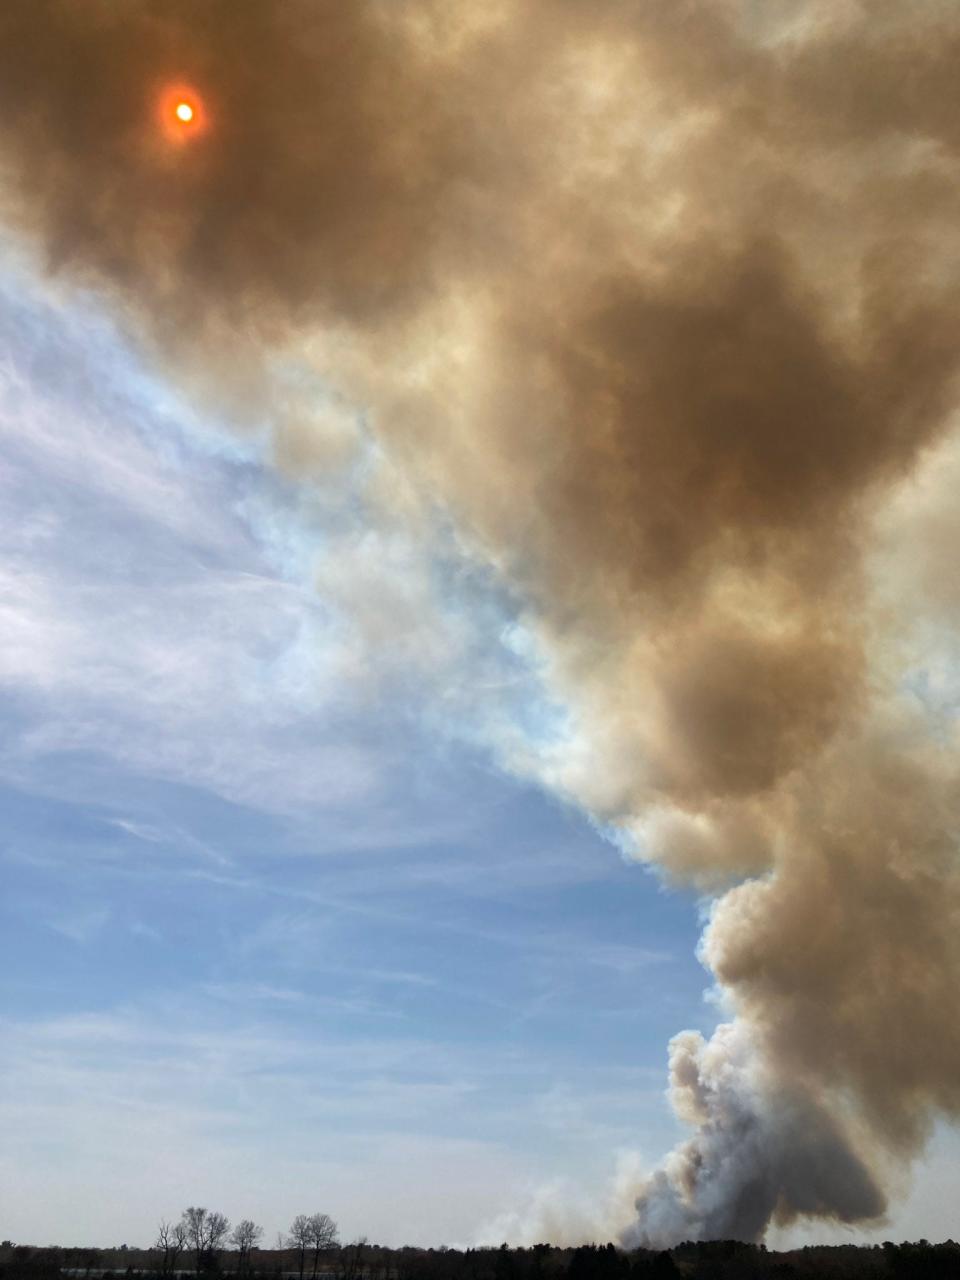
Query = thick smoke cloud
x=658 y=301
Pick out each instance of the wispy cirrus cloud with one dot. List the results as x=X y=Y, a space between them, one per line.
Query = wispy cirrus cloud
x=140 y=616
x=255 y=885
x=206 y=1094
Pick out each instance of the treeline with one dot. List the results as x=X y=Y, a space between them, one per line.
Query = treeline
x=360 y=1260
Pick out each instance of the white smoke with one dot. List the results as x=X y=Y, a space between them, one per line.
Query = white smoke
x=758 y=1155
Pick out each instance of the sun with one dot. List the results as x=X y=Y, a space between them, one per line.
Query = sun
x=181 y=113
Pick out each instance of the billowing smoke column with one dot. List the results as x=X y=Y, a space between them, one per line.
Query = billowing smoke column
x=658 y=299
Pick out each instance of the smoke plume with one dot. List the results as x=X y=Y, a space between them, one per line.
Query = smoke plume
x=657 y=301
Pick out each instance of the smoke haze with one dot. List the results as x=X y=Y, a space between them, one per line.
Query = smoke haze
x=658 y=303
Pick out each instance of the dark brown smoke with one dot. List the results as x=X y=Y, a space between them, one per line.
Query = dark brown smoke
x=312 y=191
x=659 y=302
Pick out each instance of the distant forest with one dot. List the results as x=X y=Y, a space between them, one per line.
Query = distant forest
x=716 y=1260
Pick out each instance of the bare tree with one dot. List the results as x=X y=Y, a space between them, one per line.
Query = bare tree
x=162 y=1244
x=323 y=1235
x=246 y=1235
x=300 y=1237
x=179 y=1243
x=205 y=1233
x=171 y=1239
x=218 y=1228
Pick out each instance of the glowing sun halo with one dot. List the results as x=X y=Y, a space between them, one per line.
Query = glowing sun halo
x=181 y=113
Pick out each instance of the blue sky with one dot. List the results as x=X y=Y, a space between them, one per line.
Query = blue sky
x=279 y=932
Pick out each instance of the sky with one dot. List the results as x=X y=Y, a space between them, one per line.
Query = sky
x=269 y=942
x=480 y=699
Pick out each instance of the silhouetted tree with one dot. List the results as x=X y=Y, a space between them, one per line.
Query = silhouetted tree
x=205 y=1233
x=246 y=1235
x=171 y=1241
x=351 y=1259
x=654 y=1266
x=504 y=1267
x=323 y=1235
x=300 y=1237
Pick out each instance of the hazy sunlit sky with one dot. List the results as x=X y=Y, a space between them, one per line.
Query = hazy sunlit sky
x=279 y=934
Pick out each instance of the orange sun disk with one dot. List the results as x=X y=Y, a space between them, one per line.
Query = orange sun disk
x=181 y=113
